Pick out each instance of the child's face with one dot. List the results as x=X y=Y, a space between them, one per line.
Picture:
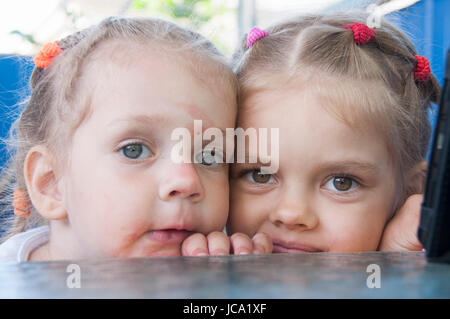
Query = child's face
x=125 y=197
x=335 y=187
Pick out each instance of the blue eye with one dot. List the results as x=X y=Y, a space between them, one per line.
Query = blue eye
x=135 y=151
x=209 y=158
x=256 y=176
x=341 y=184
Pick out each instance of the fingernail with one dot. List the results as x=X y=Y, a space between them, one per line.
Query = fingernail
x=218 y=253
x=201 y=254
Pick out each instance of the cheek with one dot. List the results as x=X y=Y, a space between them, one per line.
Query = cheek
x=354 y=229
x=107 y=212
x=247 y=212
x=213 y=211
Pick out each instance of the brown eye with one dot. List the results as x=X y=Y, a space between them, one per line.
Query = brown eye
x=258 y=177
x=342 y=183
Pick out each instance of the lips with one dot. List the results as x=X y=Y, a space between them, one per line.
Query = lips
x=170 y=235
x=283 y=247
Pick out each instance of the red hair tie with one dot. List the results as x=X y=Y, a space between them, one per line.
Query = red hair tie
x=423 y=71
x=362 y=34
x=46 y=55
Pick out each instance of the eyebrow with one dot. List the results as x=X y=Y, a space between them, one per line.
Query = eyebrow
x=347 y=165
x=141 y=119
x=259 y=160
x=154 y=120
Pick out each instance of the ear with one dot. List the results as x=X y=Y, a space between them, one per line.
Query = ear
x=42 y=183
x=416 y=179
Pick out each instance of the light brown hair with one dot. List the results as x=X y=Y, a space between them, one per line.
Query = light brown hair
x=56 y=106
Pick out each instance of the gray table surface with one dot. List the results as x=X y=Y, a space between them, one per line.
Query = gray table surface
x=318 y=275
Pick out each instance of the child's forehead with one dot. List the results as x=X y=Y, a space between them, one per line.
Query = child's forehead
x=116 y=62
x=358 y=104
x=123 y=53
x=161 y=91
x=293 y=110
x=336 y=109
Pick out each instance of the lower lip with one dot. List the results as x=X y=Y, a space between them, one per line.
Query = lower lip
x=277 y=249
x=168 y=235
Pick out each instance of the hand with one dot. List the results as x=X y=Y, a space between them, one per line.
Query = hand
x=218 y=243
x=400 y=233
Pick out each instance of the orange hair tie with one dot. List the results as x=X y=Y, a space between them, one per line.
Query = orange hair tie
x=46 y=55
x=21 y=203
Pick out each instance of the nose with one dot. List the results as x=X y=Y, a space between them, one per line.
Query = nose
x=295 y=214
x=182 y=182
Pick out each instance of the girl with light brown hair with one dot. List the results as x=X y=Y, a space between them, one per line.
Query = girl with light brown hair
x=92 y=175
x=351 y=106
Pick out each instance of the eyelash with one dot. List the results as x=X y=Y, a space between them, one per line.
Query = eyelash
x=218 y=154
x=353 y=179
x=252 y=170
x=123 y=145
x=349 y=176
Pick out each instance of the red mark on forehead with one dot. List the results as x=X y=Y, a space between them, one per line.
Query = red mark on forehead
x=197 y=114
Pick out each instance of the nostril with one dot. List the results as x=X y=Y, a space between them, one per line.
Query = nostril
x=195 y=195
x=177 y=193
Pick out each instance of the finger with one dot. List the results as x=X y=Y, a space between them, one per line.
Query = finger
x=195 y=245
x=218 y=244
x=241 y=244
x=400 y=233
x=410 y=220
x=262 y=244
x=414 y=243
x=411 y=208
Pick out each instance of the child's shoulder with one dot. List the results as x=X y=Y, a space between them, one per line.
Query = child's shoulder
x=18 y=247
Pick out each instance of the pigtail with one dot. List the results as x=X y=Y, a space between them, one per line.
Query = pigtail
x=13 y=223
x=7 y=182
x=430 y=89
x=314 y=43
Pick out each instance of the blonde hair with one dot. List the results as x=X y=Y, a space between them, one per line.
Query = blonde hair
x=374 y=81
x=56 y=107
